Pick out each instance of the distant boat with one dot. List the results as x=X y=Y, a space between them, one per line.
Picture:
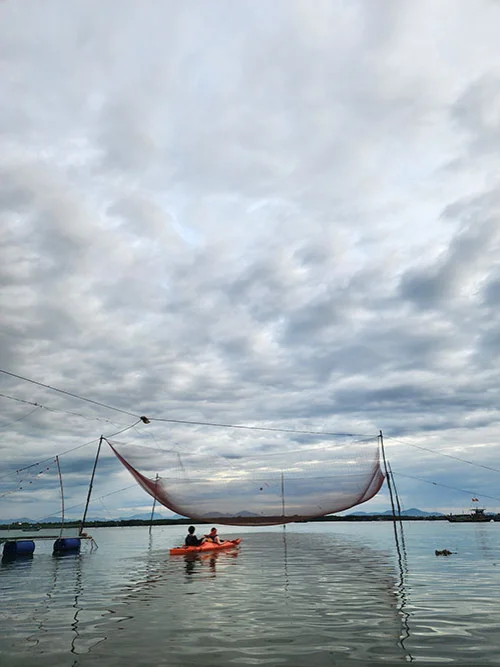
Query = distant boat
x=476 y=514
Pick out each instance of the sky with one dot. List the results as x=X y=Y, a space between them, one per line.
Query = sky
x=280 y=214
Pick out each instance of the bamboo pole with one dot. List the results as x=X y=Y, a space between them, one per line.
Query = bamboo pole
x=90 y=486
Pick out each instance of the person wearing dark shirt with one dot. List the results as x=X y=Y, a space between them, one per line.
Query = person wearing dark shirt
x=191 y=539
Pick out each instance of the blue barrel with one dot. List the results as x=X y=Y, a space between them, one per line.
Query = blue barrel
x=18 y=548
x=64 y=544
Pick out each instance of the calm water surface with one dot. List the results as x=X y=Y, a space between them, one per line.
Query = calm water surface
x=315 y=594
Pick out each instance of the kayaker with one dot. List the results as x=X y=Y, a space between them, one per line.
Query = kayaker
x=213 y=537
x=191 y=539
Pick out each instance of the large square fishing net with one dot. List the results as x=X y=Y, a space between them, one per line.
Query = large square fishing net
x=275 y=483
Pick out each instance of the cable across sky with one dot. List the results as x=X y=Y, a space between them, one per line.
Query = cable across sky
x=148 y=419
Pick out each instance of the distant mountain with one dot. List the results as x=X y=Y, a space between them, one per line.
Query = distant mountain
x=49 y=519
x=144 y=516
x=416 y=512
x=413 y=511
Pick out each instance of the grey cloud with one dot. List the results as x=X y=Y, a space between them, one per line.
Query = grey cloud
x=240 y=213
x=476 y=111
x=492 y=292
x=472 y=252
x=427 y=290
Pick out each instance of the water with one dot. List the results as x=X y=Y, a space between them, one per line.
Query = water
x=316 y=594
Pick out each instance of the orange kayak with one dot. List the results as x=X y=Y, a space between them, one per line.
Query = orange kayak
x=206 y=546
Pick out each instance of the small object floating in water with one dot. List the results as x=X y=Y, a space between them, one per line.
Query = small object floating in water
x=206 y=546
x=444 y=552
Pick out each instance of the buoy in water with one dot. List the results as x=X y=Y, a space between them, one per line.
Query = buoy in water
x=16 y=548
x=64 y=544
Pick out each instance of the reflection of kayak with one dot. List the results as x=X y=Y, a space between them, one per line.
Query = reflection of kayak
x=206 y=546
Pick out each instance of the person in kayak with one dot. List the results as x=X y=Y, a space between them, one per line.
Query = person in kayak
x=213 y=537
x=191 y=539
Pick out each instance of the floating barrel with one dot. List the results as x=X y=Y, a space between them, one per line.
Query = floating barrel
x=18 y=548
x=64 y=544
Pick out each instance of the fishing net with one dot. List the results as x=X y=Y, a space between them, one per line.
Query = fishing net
x=261 y=488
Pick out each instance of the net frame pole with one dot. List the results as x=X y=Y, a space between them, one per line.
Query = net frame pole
x=387 y=476
x=283 y=510
x=62 y=496
x=154 y=504
x=82 y=524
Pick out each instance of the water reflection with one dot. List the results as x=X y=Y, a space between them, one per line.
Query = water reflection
x=483 y=536
x=51 y=616
x=402 y=588
x=288 y=597
x=282 y=598
x=21 y=561
x=194 y=563
x=76 y=606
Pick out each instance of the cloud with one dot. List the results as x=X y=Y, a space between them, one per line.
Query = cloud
x=467 y=261
x=249 y=214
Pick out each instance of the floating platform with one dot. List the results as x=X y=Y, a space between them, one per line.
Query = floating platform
x=17 y=545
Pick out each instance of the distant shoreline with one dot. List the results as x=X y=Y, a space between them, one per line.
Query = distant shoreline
x=184 y=522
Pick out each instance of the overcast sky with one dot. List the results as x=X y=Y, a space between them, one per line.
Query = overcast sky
x=280 y=213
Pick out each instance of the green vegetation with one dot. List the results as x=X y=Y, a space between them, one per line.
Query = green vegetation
x=175 y=522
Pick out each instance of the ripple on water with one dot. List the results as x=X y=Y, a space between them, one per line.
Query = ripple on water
x=326 y=595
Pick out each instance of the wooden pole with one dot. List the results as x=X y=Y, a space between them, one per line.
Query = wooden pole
x=387 y=476
x=62 y=497
x=90 y=486
x=282 y=495
x=154 y=503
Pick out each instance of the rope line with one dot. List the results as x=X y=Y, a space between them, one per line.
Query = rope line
x=24 y=481
x=182 y=421
x=67 y=393
x=44 y=407
x=68 y=509
x=68 y=451
x=19 y=419
x=446 y=486
x=220 y=425
x=450 y=456
x=258 y=428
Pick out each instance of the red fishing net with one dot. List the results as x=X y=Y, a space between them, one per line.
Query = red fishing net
x=279 y=484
